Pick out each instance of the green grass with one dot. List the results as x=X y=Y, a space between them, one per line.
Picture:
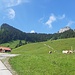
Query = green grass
x=35 y=59
x=12 y=44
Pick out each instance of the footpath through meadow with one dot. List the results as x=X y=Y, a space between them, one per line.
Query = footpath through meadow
x=4 y=70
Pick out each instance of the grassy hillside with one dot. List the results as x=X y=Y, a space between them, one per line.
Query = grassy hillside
x=35 y=59
x=12 y=44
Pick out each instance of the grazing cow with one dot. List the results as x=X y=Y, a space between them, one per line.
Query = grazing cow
x=65 y=52
x=70 y=51
x=50 y=52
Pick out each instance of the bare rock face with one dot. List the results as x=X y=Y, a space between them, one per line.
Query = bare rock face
x=64 y=29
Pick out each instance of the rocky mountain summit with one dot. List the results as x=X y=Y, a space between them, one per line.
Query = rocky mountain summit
x=64 y=29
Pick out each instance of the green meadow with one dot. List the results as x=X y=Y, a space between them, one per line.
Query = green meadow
x=12 y=44
x=34 y=58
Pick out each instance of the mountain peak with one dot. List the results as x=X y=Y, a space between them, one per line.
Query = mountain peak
x=64 y=29
x=5 y=25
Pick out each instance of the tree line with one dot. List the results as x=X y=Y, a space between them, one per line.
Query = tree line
x=9 y=33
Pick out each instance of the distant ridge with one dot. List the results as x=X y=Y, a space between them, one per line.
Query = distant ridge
x=9 y=33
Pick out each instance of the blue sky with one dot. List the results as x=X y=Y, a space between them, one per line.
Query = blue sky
x=41 y=16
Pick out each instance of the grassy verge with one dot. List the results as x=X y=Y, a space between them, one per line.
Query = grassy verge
x=35 y=59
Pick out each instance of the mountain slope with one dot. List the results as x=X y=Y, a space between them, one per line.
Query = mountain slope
x=67 y=34
x=9 y=33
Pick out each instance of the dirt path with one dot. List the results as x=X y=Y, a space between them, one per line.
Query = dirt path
x=4 y=70
x=4 y=57
x=48 y=46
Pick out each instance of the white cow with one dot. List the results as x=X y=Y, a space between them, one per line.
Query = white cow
x=65 y=52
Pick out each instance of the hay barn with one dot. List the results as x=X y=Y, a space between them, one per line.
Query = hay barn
x=5 y=49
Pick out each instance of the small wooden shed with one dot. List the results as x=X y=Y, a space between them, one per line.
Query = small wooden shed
x=5 y=49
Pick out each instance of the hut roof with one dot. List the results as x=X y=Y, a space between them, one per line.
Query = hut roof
x=5 y=48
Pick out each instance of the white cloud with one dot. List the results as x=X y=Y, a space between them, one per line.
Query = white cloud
x=10 y=13
x=6 y=7
x=70 y=23
x=61 y=17
x=32 y=31
x=11 y=3
x=51 y=19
